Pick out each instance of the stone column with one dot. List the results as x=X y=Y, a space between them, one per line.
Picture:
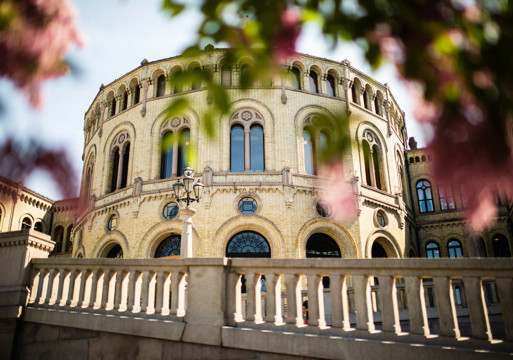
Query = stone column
x=145 y=84
x=186 y=240
x=17 y=249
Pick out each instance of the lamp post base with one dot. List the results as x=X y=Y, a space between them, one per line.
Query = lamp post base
x=186 y=240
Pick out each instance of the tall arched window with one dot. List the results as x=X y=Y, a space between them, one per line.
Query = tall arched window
x=355 y=91
x=237 y=149
x=314 y=83
x=161 y=86
x=454 y=249
x=367 y=96
x=378 y=251
x=446 y=197
x=68 y=245
x=26 y=223
x=378 y=103
x=137 y=94
x=166 y=161
x=170 y=246
x=308 y=151
x=226 y=76
x=256 y=148
x=177 y=82
x=330 y=85
x=432 y=250
x=248 y=244
x=296 y=78
x=183 y=151
x=373 y=161
x=175 y=147
x=58 y=237
x=113 y=107
x=247 y=142
x=425 y=196
x=244 y=77
x=322 y=246
x=196 y=78
x=120 y=156
x=124 y=99
x=115 y=252
x=500 y=246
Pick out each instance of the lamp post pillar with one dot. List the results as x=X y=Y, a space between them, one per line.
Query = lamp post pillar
x=186 y=240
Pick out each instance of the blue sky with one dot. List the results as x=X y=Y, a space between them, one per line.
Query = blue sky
x=119 y=35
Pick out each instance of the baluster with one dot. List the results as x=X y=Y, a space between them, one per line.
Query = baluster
x=132 y=280
x=273 y=296
x=119 y=289
x=82 y=295
x=477 y=308
x=71 y=288
x=258 y=298
x=445 y=304
x=180 y=311
x=35 y=285
x=145 y=290
x=416 y=305
x=166 y=292
x=63 y=274
x=362 y=298
x=49 y=289
x=43 y=275
x=336 y=300
x=389 y=310
x=160 y=290
x=175 y=286
x=505 y=289
x=250 y=296
x=294 y=304
x=346 y=322
x=233 y=280
x=315 y=301
x=107 y=276
x=94 y=289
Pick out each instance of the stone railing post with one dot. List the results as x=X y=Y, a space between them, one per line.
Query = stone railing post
x=17 y=249
x=206 y=282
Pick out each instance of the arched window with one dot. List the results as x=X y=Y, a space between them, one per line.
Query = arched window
x=136 y=94
x=378 y=251
x=355 y=91
x=124 y=98
x=237 y=149
x=244 y=80
x=308 y=150
x=373 y=161
x=296 y=78
x=425 y=196
x=26 y=223
x=256 y=148
x=120 y=156
x=322 y=246
x=166 y=161
x=38 y=226
x=113 y=107
x=196 y=78
x=378 y=103
x=161 y=86
x=69 y=245
x=183 y=151
x=177 y=82
x=454 y=249
x=170 y=246
x=501 y=246
x=226 y=76
x=58 y=237
x=446 y=197
x=432 y=250
x=366 y=99
x=247 y=142
x=330 y=85
x=116 y=252
x=248 y=244
x=314 y=83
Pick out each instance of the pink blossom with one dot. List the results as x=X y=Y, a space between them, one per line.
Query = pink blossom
x=34 y=43
x=338 y=193
x=285 y=35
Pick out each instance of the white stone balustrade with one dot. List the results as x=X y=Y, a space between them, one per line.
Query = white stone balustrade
x=375 y=299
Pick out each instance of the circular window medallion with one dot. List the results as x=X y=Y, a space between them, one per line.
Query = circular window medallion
x=112 y=222
x=170 y=210
x=381 y=219
x=323 y=209
x=246 y=115
x=247 y=206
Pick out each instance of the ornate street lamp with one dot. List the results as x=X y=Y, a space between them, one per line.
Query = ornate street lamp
x=187 y=213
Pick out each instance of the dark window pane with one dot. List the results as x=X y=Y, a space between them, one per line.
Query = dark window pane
x=126 y=157
x=296 y=79
x=248 y=244
x=314 y=87
x=166 y=165
x=161 y=85
x=115 y=165
x=330 y=85
x=169 y=247
x=183 y=151
x=322 y=246
x=226 y=76
x=256 y=146
x=237 y=149
x=308 y=149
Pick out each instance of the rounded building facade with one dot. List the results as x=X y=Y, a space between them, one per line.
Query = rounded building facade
x=260 y=170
